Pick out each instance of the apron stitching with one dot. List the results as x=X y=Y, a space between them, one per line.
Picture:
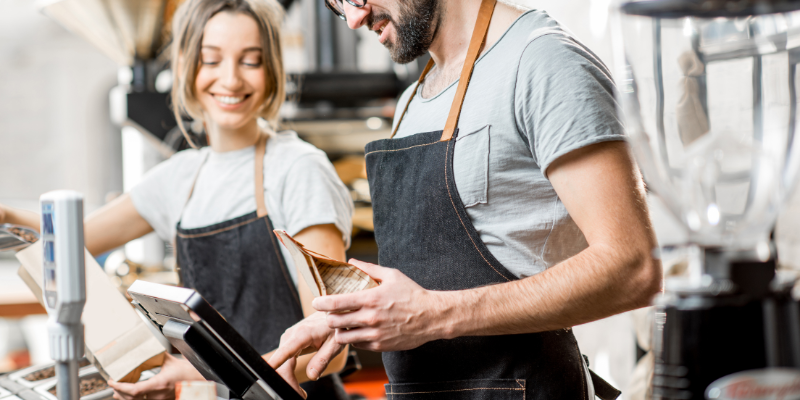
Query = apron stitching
x=460 y=390
x=405 y=148
x=447 y=183
x=284 y=270
x=197 y=235
x=522 y=385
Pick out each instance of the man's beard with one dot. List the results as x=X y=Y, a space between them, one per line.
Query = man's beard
x=415 y=26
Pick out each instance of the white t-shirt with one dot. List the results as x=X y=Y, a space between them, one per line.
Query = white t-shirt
x=301 y=189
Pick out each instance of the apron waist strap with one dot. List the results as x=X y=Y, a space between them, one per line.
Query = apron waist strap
x=603 y=389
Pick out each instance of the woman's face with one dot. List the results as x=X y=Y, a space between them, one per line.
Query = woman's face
x=230 y=84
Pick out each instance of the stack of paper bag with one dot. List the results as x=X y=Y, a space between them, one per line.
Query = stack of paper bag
x=325 y=275
x=117 y=341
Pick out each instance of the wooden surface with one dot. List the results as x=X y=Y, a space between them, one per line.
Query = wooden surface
x=16 y=300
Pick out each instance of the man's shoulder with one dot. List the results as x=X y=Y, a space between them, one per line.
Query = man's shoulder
x=532 y=25
x=544 y=47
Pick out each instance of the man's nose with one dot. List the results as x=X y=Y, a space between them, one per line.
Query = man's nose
x=356 y=17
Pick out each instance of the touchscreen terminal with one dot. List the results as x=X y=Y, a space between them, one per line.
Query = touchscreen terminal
x=212 y=345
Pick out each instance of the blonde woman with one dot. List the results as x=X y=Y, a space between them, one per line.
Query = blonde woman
x=220 y=203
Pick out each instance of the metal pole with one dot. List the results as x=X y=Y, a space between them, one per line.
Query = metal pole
x=67 y=387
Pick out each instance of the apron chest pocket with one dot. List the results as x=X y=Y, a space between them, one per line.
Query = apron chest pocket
x=471 y=166
x=474 y=389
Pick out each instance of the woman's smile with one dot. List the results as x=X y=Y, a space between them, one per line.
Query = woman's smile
x=230 y=83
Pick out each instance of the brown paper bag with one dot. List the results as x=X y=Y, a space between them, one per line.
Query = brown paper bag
x=325 y=275
x=117 y=341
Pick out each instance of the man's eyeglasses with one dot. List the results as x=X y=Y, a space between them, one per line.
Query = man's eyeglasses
x=338 y=7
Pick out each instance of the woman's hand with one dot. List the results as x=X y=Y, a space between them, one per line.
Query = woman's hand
x=161 y=386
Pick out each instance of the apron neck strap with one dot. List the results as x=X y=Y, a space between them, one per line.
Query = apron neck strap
x=261 y=148
x=475 y=44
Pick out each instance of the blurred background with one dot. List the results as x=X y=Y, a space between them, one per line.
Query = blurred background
x=78 y=111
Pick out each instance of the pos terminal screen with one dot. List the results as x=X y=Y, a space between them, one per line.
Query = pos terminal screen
x=49 y=256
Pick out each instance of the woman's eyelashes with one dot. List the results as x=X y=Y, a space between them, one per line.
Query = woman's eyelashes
x=252 y=62
x=247 y=62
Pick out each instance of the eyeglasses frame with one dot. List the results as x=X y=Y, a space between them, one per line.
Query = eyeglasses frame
x=341 y=14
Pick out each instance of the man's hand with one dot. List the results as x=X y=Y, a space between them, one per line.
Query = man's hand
x=308 y=335
x=397 y=315
x=287 y=371
x=161 y=386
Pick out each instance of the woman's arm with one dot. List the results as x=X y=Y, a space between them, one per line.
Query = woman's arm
x=327 y=240
x=111 y=226
x=16 y=216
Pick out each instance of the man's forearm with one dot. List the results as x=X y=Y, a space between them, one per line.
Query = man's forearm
x=593 y=284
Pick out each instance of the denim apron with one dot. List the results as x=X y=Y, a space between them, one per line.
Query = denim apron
x=423 y=230
x=237 y=266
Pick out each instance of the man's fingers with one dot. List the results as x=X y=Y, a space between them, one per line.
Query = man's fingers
x=357 y=335
x=280 y=356
x=289 y=348
x=339 y=302
x=287 y=372
x=355 y=319
x=319 y=362
x=375 y=271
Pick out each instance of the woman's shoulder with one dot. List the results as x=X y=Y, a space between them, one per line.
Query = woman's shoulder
x=287 y=147
x=188 y=156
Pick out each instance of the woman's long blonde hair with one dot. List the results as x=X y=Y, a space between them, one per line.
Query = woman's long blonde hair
x=187 y=29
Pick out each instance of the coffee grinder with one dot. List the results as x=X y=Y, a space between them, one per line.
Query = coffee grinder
x=708 y=93
x=64 y=284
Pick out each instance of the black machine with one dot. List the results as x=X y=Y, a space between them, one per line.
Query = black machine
x=203 y=336
x=736 y=338
x=708 y=91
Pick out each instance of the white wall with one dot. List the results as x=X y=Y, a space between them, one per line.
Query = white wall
x=55 y=131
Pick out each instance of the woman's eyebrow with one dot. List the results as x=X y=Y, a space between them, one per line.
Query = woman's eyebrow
x=247 y=50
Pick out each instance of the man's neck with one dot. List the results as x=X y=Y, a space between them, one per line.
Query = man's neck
x=455 y=29
x=449 y=47
x=457 y=19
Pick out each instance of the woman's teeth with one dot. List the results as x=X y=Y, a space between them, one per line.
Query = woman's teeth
x=229 y=99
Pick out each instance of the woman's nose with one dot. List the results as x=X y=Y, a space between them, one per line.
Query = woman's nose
x=231 y=75
x=356 y=16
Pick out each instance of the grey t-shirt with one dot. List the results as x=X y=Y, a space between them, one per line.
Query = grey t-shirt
x=534 y=96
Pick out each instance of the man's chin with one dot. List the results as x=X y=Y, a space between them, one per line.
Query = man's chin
x=398 y=57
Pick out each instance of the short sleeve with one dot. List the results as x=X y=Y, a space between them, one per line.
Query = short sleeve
x=148 y=198
x=163 y=190
x=564 y=99
x=313 y=194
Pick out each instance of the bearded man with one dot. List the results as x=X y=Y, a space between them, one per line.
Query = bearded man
x=507 y=209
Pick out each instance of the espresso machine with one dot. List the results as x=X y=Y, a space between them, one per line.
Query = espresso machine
x=708 y=94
